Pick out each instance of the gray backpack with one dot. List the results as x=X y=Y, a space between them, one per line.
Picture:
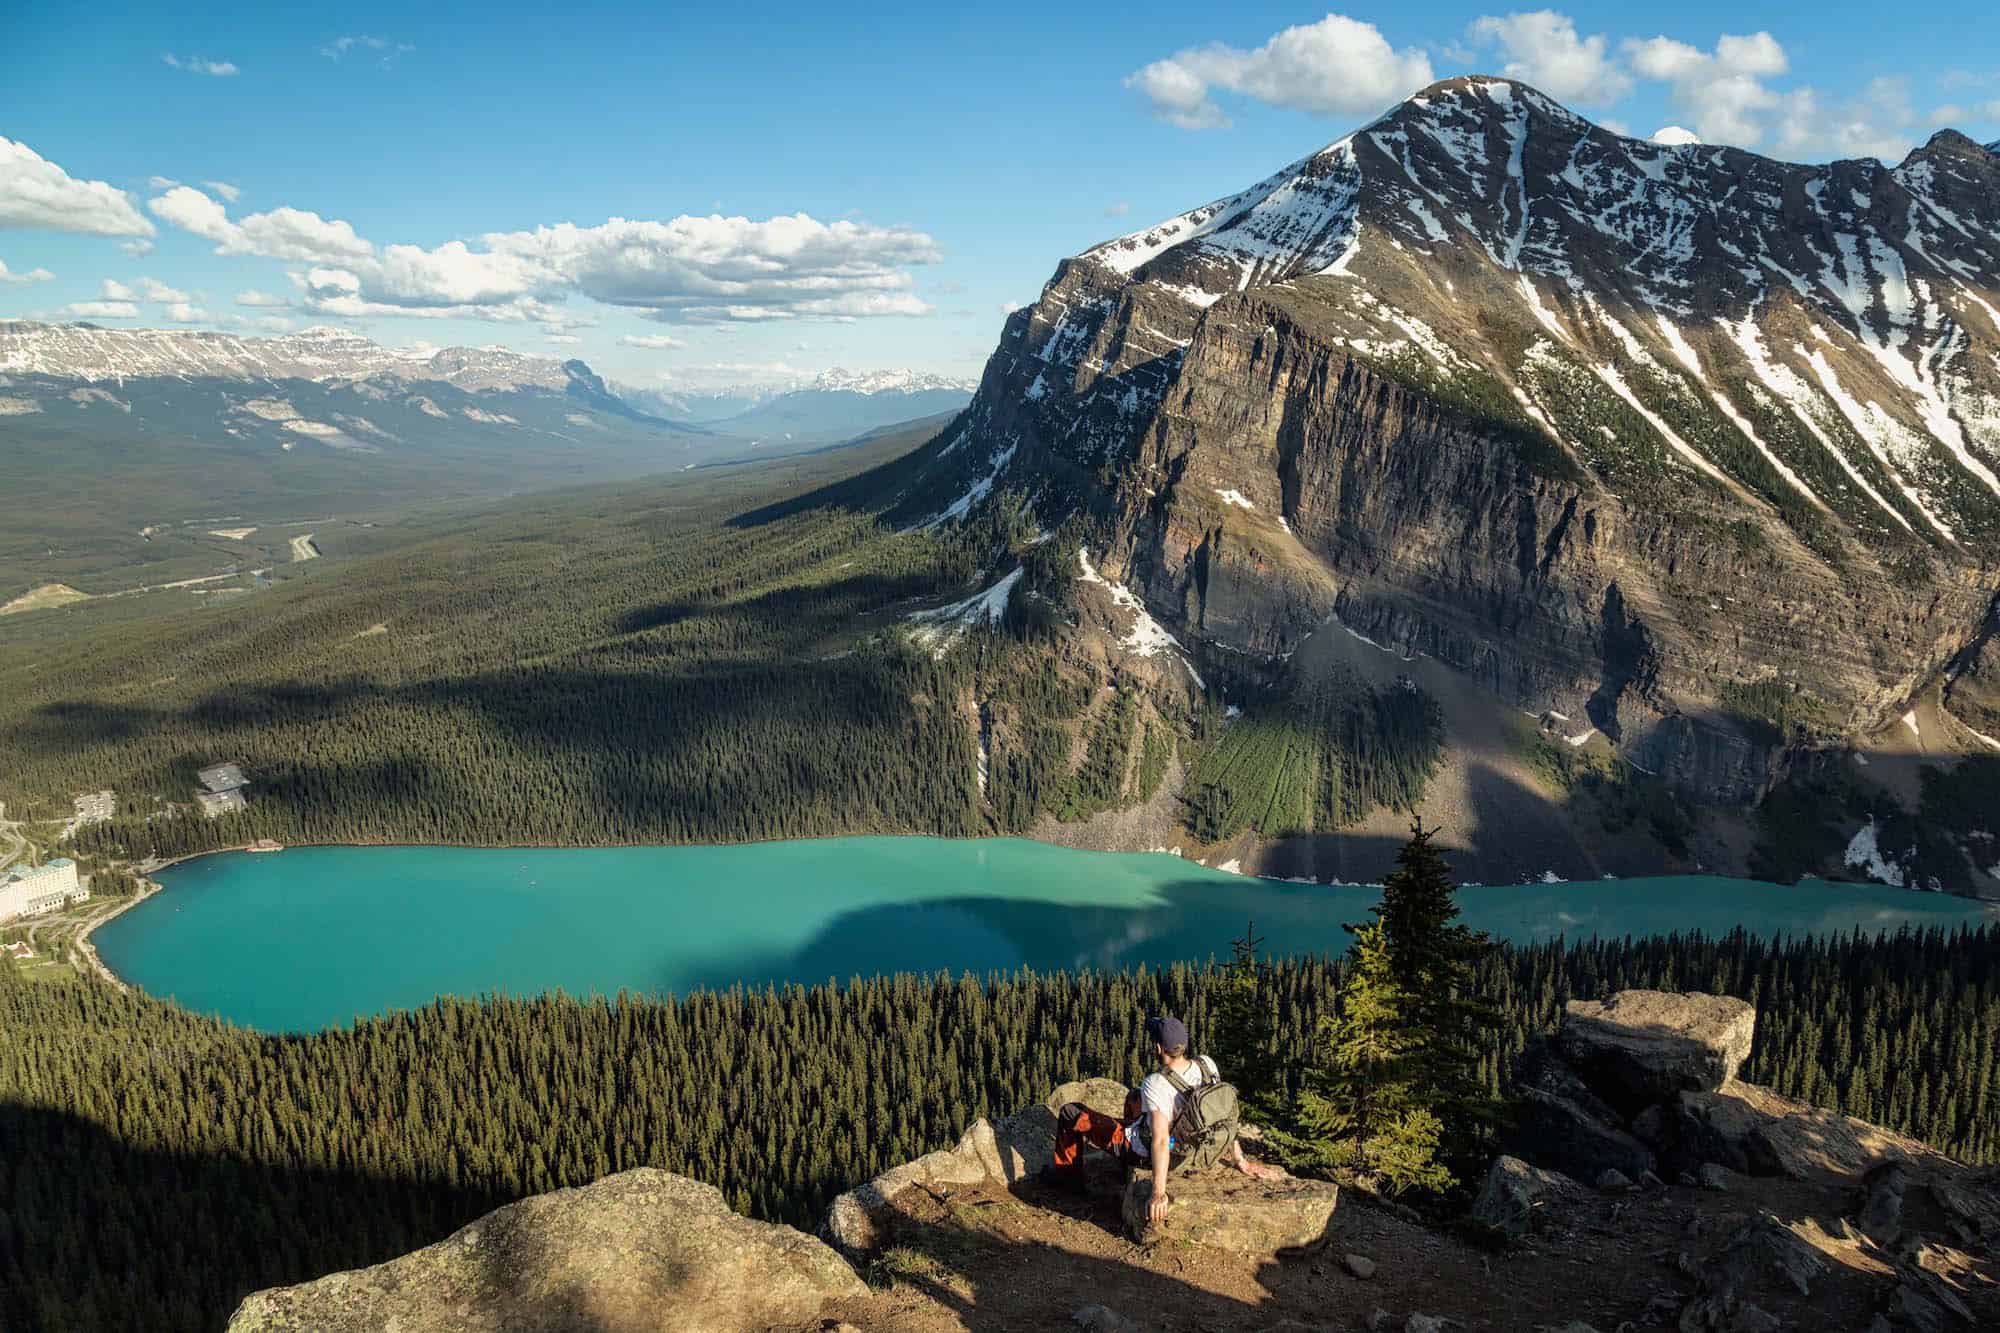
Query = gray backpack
x=1205 y=1118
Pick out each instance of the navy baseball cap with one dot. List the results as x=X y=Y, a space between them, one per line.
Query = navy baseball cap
x=1167 y=1032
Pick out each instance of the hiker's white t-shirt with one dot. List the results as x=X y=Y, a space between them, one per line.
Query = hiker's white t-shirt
x=1157 y=1094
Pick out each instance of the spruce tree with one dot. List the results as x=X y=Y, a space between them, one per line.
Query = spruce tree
x=1434 y=961
x=1244 y=1032
x=1359 y=1106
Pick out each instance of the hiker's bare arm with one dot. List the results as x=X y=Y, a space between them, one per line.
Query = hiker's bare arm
x=1255 y=1170
x=1158 y=1123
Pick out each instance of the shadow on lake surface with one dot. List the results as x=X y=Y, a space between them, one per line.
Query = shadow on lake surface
x=312 y=936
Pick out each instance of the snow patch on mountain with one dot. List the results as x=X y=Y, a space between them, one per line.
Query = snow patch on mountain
x=1147 y=637
x=945 y=623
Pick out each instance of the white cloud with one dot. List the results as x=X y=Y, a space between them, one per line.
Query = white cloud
x=1117 y=210
x=220 y=69
x=147 y=289
x=1543 y=49
x=562 y=338
x=35 y=192
x=282 y=233
x=659 y=342
x=1727 y=97
x=1877 y=122
x=1673 y=136
x=180 y=312
x=341 y=47
x=103 y=309
x=1958 y=113
x=32 y=275
x=695 y=269
x=1722 y=91
x=229 y=192
x=253 y=297
x=265 y=323
x=138 y=249
x=161 y=182
x=1337 y=65
x=687 y=270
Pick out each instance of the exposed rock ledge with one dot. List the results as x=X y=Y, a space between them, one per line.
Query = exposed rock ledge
x=640 y=1250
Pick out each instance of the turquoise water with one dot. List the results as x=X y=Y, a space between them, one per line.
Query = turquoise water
x=300 y=939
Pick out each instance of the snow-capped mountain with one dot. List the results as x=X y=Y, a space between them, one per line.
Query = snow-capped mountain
x=872 y=382
x=93 y=354
x=1639 y=431
x=833 y=405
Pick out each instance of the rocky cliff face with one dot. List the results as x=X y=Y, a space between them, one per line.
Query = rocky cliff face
x=1683 y=439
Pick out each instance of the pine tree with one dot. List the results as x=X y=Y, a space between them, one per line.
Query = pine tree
x=1244 y=1032
x=1358 y=1106
x=1434 y=961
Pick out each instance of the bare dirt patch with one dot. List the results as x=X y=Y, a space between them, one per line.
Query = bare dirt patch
x=42 y=598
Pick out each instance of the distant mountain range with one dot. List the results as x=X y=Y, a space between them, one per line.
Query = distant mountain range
x=106 y=434
x=834 y=405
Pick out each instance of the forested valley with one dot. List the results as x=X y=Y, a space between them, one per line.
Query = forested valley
x=157 y=1165
x=712 y=659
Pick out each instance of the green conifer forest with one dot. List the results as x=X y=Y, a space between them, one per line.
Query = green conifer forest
x=155 y=1165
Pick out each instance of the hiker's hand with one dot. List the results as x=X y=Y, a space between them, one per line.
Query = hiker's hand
x=1156 y=1211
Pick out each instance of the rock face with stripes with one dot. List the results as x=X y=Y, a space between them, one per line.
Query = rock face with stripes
x=1624 y=429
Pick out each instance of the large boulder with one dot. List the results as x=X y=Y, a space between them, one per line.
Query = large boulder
x=1224 y=1209
x=1644 y=1046
x=1514 y=1192
x=640 y=1250
x=992 y=1152
x=1564 y=1126
x=1758 y=1132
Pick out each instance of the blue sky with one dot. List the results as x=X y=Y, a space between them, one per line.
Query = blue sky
x=801 y=187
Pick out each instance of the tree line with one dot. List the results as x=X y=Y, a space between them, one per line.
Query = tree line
x=156 y=1165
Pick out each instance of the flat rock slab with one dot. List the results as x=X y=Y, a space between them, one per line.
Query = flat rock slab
x=1645 y=1046
x=1755 y=1131
x=1227 y=1210
x=640 y=1250
x=992 y=1152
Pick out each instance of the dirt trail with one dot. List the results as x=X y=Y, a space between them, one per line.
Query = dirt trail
x=1031 y=1257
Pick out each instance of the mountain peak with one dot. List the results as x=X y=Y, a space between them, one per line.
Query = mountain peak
x=92 y=353
x=1952 y=143
x=839 y=380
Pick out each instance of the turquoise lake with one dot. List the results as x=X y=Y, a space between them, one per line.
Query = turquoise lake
x=301 y=939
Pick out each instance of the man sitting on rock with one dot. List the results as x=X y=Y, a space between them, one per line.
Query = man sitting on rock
x=1144 y=1136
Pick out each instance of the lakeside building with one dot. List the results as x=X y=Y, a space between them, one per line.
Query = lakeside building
x=222 y=792
x=216 y=803
x=32 y=890
x=223 y=777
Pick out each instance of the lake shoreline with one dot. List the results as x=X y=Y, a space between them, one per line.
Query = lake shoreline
x=354 y=929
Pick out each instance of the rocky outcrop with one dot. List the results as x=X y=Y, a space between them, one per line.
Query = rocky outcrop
x=1224 y=1209
x=1660 y=1068
x=1514 y=1191
x=998 y=1152
x=1579 y=415
x=1568 y=1127
x=1640 y=1046
x=640 y=1250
